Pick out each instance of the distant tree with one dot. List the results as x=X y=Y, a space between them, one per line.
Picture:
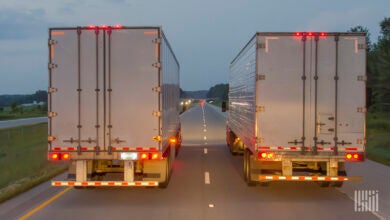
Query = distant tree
x=14 y=107
x=219 y=91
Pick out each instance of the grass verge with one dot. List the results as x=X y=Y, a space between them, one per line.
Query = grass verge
x=23 y=159
x=378 y=137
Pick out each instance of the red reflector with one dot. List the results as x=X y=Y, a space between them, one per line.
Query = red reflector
x=118 y=26
x=104 y=26
x=125 y=183
x=139 y=148
x=98 y=183
x=138 y=183
x=310 y=34
x=111 y=183
x=322 y=34
x=91 y=26
x=70 y=183
x=298 y=34
x=151 y=184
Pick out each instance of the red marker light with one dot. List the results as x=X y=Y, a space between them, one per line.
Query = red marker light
x=118 y=26
x=104 y=26
x=322 y=34
x=91 y=26
x=298 y=34
x=310 y=34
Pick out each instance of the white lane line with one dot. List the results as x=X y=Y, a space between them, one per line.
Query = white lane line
x=205 y=130
x=206 y=178
x=205 y=150
x=204 y=138
x=211 y=205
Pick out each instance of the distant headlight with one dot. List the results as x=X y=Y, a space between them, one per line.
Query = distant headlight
x=129 y=156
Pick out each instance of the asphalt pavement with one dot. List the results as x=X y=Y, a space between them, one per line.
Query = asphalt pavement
x=207 y=183
x=20 y=122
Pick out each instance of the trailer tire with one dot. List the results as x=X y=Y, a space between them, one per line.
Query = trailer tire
x=164 y=184
x=247 y=168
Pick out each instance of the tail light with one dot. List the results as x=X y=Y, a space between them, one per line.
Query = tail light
x=172 y=140
x=265 y=155
x=155 y=156
x=144 y=156
x=149 y=156
x=56 y=156
x=354 y=157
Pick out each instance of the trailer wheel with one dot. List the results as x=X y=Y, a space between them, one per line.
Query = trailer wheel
x=247 y=168
x=164 y=184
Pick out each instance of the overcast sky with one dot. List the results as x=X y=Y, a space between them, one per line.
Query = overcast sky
x=205 y=34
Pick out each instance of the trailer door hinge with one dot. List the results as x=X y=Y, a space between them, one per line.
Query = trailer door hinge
x=157 y=65
x=52 y=65
x=361 y=141
x=362 y=110
x=156 y=113
x=156 y=89
x=260 y=108
x=362 y=46
x=52 y=42
x=260 y=77
x=259 y=140
x=52 y=90
x=362 y=78
x=157 y=41
x=261 y=45
x=52 y=114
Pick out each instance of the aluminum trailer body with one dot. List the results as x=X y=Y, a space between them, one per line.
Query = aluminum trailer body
x=113 y=105
x=297 y=105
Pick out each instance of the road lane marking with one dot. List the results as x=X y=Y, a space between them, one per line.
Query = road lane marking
x=211 y=205
x=205 y=151
x=206 y=177
x=47 y=202
x=204 y=138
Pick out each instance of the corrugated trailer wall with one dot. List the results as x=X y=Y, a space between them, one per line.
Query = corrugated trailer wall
x=242 y=78
x=170 y=91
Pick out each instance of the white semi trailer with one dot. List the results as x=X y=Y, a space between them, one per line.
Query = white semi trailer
x=113 y=105
x=297 y=106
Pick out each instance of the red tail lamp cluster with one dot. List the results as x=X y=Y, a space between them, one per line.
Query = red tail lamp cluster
x=56 y=156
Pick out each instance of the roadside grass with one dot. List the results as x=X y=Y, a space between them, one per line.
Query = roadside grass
x=378 y=137
x=23 y=159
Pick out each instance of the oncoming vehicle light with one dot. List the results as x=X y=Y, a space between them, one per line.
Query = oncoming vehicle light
x=129 y=156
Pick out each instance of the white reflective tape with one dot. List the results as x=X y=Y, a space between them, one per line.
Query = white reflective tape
x=104 y=183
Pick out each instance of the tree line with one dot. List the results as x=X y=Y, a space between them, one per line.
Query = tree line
x=14 y=100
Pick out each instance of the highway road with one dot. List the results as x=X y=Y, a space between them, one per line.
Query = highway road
x=207 y=183
x=20 y=122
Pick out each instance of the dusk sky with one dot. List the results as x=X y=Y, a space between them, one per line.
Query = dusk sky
x=205 y=35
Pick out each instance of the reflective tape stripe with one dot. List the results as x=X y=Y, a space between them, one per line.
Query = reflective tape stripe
x=303 y=178
x=104 y=183
x=113 y=148
x=295 y=148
